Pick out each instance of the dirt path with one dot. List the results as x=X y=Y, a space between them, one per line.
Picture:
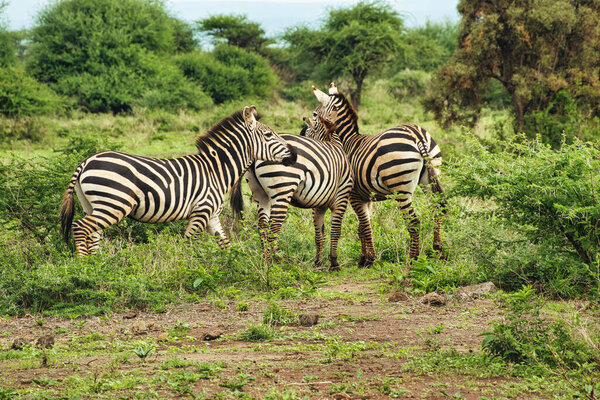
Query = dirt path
x=362 y=347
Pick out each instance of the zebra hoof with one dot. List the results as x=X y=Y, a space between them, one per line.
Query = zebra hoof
x=441 y=254
x=334 y=266
x=369 y=262
x=361 y=262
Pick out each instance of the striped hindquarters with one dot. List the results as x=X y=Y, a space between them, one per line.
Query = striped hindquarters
x=393 y=161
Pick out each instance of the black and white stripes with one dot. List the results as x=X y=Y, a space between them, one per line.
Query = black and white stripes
x=113 y=185
x=392 y=162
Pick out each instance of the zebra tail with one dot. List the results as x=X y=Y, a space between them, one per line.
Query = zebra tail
x=434 y=179
x=236 y=201
x=67 y=205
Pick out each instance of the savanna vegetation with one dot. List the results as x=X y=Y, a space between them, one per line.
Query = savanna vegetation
x=510 y=93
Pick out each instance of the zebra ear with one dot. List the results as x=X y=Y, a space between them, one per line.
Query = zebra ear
x=322 y=97
x=332 y=117
x=309 y=122
x=249 y=114
x=333 y=89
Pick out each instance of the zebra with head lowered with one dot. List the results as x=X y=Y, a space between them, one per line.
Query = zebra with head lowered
x=320 y=179
x=392 y=162
x=113 y=185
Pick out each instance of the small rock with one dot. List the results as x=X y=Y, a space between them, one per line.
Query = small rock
x=434 y=299
x=162 y=336
x=340 y=396
x=210 y=336
x=130 y=315
x=308 y=319
x=139 y=327
x=398 y=296
x=475 y=291
x=18 y=344
x=205 y=308
x=45 y=342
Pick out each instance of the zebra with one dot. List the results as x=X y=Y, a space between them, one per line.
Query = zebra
x=392 y=162
x=112 y=185
x=321 y=179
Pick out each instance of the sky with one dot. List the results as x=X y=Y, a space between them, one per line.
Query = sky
x=273 y=15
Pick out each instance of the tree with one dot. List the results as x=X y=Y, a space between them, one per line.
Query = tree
x=7 y=50
x=235 y=30
x=354 y=42
x=534 y=49
x=427 y=47
x=109 y=54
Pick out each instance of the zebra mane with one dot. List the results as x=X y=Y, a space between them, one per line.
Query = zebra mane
x=224 y=124
x=353 y=113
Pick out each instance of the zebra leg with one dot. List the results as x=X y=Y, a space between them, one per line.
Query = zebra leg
x=197 y=221
x=405 y=205
x=93 y=241
x=278 y=214
x=85 y=232
x=264 y=231
x=337 y=215
x=365 y=233
x=214 y=228
x=318 y=220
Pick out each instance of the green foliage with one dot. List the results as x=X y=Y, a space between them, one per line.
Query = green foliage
x=524 y=336
x=109 y=54
x=534 y=49
x=408 y=84
x=427 y=47
x=228 y=73
x=21 y=95
x=549 y=197
x=275 y=315
x=234 y=30
x=257 y=333
x=354 y=41
x=7 y=50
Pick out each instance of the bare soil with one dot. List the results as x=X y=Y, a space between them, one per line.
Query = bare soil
x=301 y=363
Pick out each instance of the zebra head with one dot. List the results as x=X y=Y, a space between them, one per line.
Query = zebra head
x=321 y=128
x=334 y=107
x=267 y=145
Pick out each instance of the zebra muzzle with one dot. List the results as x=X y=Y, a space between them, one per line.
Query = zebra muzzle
x=291 y=159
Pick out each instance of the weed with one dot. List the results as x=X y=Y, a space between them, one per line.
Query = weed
x=241 y=380
x=257 y=333
x=180 y=329
x=242 y=306
x=144 y=349
x=275 y=315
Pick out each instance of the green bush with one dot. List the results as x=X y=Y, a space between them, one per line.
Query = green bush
x=220 y=81
x=109 y=54
x=262 y=78
x=550 y=198
x=21 y=95
x=524 y=336
x=409 y=84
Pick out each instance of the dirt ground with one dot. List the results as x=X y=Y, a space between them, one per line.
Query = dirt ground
x=360 y=349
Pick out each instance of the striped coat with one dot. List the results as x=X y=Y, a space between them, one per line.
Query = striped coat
x=320 y=179
x=113 y=185
x=392 y=162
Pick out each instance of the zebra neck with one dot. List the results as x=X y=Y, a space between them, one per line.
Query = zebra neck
x=228 y=163
x=348 y=134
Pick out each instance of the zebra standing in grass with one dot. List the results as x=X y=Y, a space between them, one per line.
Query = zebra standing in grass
x=392 y=162
x=113 y=185
x=320 y=179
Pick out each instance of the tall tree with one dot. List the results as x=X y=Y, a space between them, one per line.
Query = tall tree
x=235 y=30
x=533 y=48
x=7 y=50
x=354 y=41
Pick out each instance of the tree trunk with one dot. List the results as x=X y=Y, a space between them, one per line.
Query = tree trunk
x=355 y=94
x=518 y=106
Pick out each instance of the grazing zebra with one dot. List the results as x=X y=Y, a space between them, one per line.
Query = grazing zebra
x=113 y=185
x=320 y=179
x=392 y=162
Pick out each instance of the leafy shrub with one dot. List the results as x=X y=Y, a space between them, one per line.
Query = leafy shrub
x=549 y=197
x=220 y=81
x=262 y=78
x=257 y=333
x=275 y=315
x=524 y=336
x=104 y=52
x=22 y=95
x=409 y=84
